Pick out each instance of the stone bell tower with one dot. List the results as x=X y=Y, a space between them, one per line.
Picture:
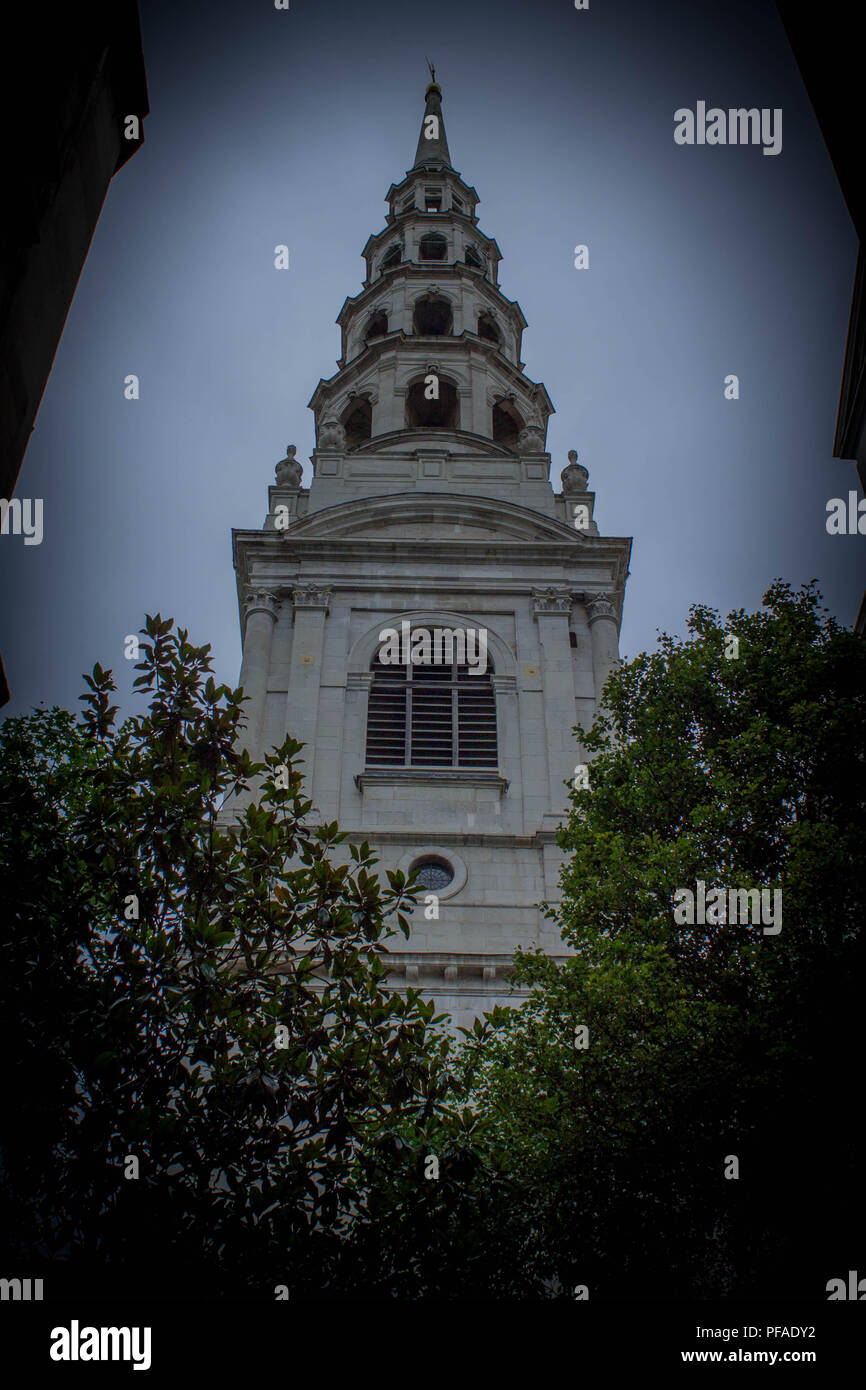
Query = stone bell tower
x=431 y=507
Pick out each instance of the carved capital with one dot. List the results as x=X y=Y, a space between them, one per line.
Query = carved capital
x=311 y=596
x=261 y=601
x=601 y=606
x=553 y=598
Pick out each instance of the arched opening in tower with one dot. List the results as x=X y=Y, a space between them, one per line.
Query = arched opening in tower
x=432 y=247
x=392 y=256
x=423 y=414
x=378 y=325
x=358 y=423
x=507 y=424
x=473 y=258
x=488 y=330
x=432 y=317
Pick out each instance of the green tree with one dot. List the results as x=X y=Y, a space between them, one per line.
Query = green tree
x=190 y=981
x=704 y=1041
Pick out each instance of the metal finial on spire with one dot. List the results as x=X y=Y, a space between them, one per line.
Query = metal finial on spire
x=432 y=85
x=432 y=144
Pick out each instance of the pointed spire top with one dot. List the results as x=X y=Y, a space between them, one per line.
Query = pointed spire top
x=432 y=142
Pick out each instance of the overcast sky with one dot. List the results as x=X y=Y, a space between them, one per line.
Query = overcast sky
x=272 y=127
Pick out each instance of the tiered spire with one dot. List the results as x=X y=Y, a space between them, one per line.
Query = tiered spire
x=432 y=142
x=430 y=347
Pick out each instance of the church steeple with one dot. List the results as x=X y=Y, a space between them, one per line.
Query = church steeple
x=431 y=506
x=432 y=142
x=430 y=350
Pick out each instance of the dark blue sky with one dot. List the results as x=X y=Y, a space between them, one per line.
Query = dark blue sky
x=270 y=126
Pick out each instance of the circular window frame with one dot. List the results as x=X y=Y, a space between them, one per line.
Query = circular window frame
x=454 y=862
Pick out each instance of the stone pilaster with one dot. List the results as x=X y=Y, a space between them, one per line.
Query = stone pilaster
x=384 y=408
x=479 y=376
x=551 y=608
x=397 y=418
x=260 y=615
x=310 y=602
x=604 y=635
x=273 y=729
x=354 y=752
x=508 y=736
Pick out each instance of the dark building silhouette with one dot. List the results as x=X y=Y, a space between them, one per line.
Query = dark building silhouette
x=71 y=75
x=827 y=48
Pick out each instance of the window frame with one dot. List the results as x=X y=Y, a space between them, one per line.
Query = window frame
x=413 y=731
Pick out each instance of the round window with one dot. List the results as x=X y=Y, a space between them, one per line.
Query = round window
x=433 y=872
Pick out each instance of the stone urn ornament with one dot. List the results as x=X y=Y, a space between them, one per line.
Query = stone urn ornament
x=574 y=476
x=288 y=470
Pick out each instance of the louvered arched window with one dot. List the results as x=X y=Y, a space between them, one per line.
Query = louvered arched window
x=431 y=716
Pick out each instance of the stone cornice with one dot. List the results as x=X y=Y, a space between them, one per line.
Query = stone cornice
x=402 y=344
x=407 y=836
x=478 y=973
x=420 y=270
x=598 y=549
x=412 y=175
x=463 y=973
x=430 y=777
x=475 y=587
